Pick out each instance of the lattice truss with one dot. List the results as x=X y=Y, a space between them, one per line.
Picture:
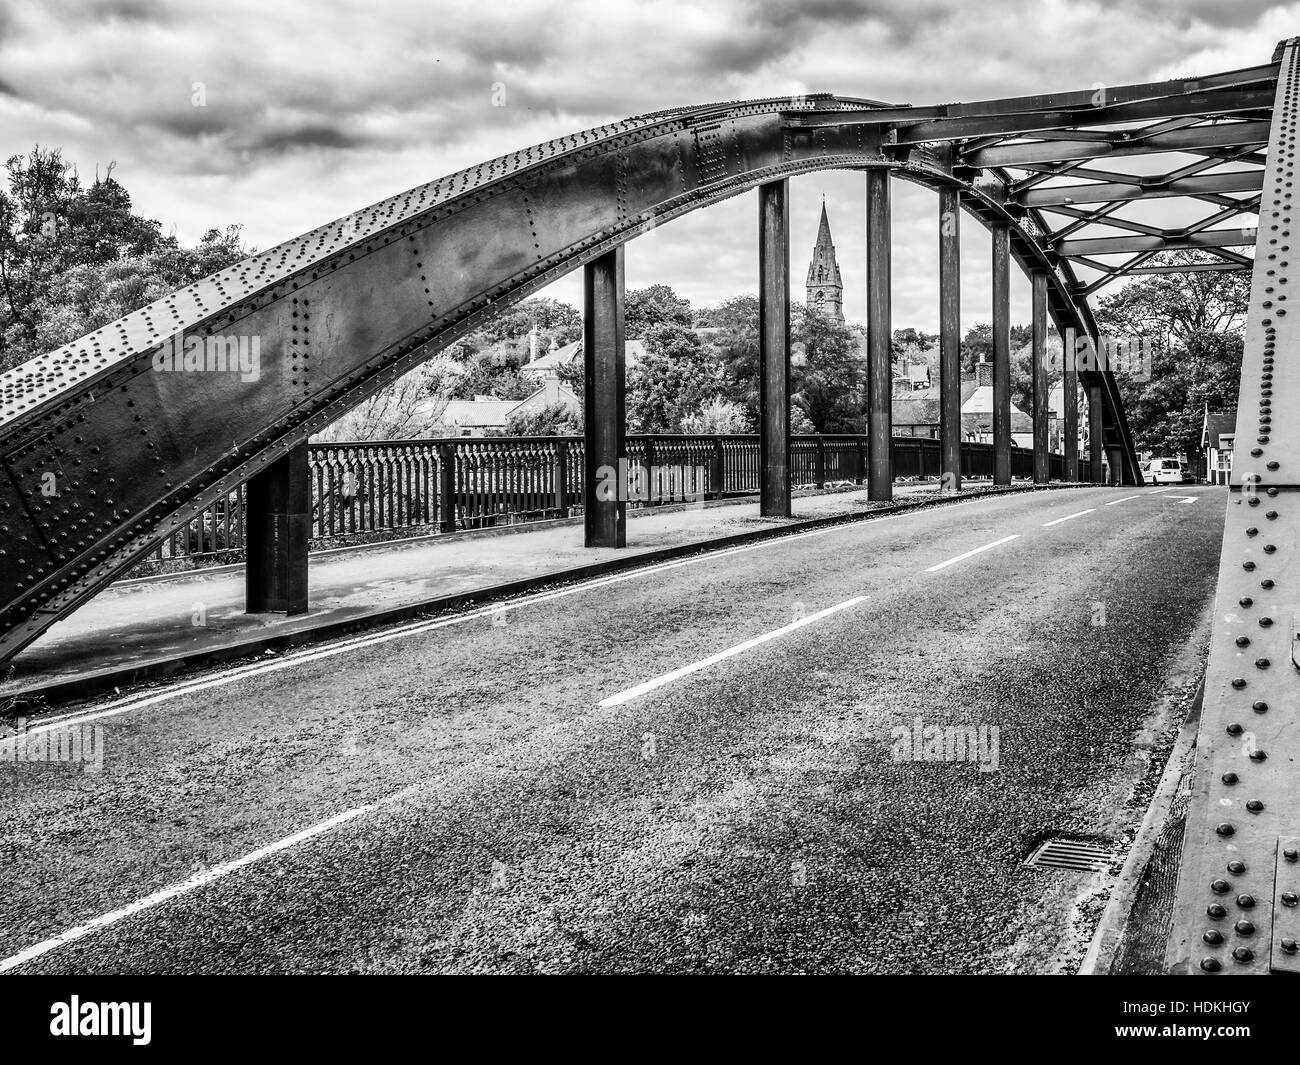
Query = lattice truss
x=1109 y=178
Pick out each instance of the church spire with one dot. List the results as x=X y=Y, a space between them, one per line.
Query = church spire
x=825 y=288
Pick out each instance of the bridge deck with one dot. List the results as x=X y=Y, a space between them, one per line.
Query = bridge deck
x=147 y=627
x=547 y=795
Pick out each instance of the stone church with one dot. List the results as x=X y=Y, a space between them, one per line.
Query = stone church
x=825 y=289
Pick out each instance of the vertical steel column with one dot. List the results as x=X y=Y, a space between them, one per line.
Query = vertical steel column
x=880 y=477
x=604 y=399
x=774 y=348
x=1001 y=354
x=1095 y=449
x=278 y=524
x=1070 y=415
x=950 y=337
x=1042 y=464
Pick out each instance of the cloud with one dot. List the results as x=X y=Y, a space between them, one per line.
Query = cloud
x=308 y=112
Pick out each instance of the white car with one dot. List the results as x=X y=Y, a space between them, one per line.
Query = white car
x=1165 y=471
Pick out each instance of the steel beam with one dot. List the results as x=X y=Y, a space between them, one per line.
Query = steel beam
x=880 y=478
x=1042 y=464
x=774 y=348
x=1219 y=135
x=604 y=398
x=1001 y=355
x=950 y=337
x=1070 y=413
x=1241 y=237
x=1163 y=107
x=1142 y=189
x=1237 y=907
x=278 y=524
x=1096 y=434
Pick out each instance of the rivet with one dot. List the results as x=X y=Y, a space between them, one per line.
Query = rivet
x=1211 y=965
x=1254 y=806
x=1244 y=954
x=1238 y=682
x=1220 y=887
x=1216 y=911
x=1258 y=756
x=1244 y=927
x=1262 y=663
x=1259 y=706
x=1245 y=901
x=1213 y=936
x=1224 y=828
x=1236 y=867
x=1291 y=854
x=1234 y=729
x=1288 y=944
x=1229 y=777
x=1289 y=898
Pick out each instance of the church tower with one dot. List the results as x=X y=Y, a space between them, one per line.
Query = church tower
x=825 y=289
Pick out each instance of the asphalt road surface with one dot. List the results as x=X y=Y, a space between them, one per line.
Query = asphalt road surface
x=704 y=766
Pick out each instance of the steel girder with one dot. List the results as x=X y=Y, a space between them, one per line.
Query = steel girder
x=1238 y=904
x=104 y=450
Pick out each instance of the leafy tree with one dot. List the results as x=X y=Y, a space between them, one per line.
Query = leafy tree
x=1172 y=308
x=554 y=320
x=673 y=380
x=73 y=258
x=830 y=380
x=735 y=348
x=718 y=416
x=554 y=419
x=646 y=308
x=1193 y=323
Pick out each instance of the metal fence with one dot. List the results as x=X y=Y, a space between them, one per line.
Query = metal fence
x=365 y=489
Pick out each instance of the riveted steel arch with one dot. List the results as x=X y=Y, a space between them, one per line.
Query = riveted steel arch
x=106 y=448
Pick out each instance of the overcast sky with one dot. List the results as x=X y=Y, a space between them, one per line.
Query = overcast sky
x=312 y=110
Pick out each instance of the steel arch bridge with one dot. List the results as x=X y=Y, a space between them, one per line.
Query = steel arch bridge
x=107 y=444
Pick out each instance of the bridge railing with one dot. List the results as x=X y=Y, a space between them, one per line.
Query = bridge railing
x=372 y=489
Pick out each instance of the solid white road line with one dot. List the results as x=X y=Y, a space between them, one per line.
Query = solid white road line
x=1124 y=500
x=968 y=554
x=1080 y=514
x=704 y=663
x=415 y=628
x=183 y=888
x=1157 y=491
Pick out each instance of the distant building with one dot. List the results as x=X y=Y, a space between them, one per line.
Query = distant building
x=474 y=417
x=825 y=288
x=1218 y=435
x=916 y=413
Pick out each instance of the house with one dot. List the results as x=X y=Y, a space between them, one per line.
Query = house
x=570 y=354
x=474 y=417
x=916 y=412
x=1218 y=433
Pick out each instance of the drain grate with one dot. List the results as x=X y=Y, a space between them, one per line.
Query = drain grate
x=1075 y=854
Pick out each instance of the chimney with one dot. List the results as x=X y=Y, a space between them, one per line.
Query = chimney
x=984 y=373
x=532 y=344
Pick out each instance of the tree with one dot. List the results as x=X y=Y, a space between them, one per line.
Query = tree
x=735 y=349
x=554 y=419
x=1192 y=325
x=829 y=381
x=673 y=380
x=409 y=408
x=74 y=258
x=646 y=308
x=555 y=321
x=1172 y=308
x=717 y=416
